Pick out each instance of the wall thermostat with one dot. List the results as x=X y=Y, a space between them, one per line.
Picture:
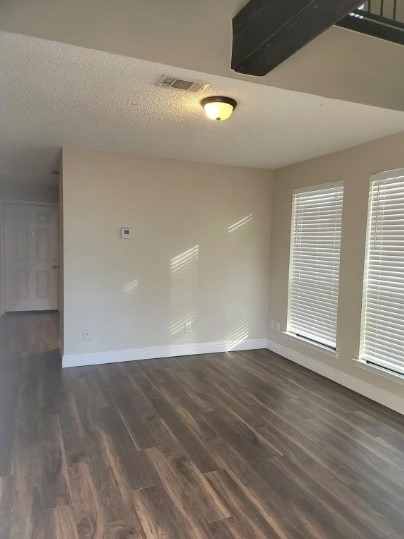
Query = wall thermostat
x=126 y=233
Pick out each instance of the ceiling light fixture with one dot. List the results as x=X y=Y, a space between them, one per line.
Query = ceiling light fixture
x=218 y=107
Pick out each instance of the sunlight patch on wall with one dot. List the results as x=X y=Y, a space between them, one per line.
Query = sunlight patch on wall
x=237 y=330
x=240 y=223
x=239 y=283
x=179 y=325
x=183 y=298
x=130 y=287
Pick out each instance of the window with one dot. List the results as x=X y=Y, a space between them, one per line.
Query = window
x=314 y=266
x=382 y=342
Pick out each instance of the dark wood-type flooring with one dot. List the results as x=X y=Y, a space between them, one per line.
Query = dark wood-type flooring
x=237 y=445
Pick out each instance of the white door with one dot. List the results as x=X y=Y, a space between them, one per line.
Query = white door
x=31 y=257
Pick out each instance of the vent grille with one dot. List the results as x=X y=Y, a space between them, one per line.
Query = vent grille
x=181 y=84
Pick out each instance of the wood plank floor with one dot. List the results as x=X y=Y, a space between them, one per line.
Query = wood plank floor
x=237 y=445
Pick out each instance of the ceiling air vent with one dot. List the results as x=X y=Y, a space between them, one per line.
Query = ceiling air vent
x=181 y=84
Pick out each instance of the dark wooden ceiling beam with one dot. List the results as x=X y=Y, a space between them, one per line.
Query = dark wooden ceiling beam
x=267 y=32
x=375 y=26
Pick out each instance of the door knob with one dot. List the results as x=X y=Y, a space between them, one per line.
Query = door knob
x=55 y=267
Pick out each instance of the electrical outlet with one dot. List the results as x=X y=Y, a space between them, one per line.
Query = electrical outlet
x=86 y=335
x=272 y=324
x=278 y=326
x=188 y=327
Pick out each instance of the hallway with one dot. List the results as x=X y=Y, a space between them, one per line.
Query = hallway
x=29 y=335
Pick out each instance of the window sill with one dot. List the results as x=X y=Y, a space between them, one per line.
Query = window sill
x=310 y=344
x=379 y=370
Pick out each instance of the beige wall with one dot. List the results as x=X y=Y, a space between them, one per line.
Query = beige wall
x=200 y=251
x=354 y=167
x=31 y=192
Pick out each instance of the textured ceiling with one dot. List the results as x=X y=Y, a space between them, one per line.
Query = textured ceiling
x=197 y=34
x=54 y=95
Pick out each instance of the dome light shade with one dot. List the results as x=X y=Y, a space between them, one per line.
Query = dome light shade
x=219 y=108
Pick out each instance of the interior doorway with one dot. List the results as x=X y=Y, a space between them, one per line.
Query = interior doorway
x=31 y=257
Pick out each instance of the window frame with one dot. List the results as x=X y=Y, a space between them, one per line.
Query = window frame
x=382 y=366
x=325 y=348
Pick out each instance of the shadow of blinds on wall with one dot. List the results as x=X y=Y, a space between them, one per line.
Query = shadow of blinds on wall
x=382 y=340
x=314 y=263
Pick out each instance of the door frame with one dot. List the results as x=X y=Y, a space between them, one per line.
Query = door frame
x=3 y=202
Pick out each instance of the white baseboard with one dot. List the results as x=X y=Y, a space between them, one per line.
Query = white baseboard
x=351 y=382
x=134 y=354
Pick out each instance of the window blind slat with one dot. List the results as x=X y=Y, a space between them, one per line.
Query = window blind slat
x=382 y=339
x=314 y=263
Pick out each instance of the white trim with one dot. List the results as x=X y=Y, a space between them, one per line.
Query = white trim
x=318 y=187
x=379 y=370
x=317 y=346
x=351 y=382
x=135 y=354
x=386 y=175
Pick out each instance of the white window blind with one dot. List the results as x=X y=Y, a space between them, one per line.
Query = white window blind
x=382 y=340
x=315 y=261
